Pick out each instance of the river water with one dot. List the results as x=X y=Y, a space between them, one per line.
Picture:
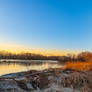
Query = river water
x=14 y=66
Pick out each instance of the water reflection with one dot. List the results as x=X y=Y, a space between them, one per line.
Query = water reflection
x=6 y=68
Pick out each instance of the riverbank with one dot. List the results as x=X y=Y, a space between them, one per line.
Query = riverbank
x=50 y=80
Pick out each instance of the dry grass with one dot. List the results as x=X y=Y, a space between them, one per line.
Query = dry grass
x=79 y=66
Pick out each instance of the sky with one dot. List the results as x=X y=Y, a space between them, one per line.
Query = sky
x=46 y=24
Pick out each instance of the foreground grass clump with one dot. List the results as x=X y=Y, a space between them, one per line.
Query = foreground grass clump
x=79 y=66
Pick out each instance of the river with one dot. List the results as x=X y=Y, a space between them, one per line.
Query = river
x=14 y=66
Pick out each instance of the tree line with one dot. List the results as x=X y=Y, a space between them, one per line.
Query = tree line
x=83 y=56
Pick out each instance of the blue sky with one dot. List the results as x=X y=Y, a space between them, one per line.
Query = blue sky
x=48 y=24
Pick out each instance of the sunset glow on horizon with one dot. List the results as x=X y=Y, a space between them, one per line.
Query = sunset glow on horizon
x=46 y=52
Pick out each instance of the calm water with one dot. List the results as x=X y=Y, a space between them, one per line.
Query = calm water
x=6 y=68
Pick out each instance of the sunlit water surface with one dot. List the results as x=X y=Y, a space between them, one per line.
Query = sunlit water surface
x=7 y=68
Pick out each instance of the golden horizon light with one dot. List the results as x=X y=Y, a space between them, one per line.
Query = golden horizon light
x=22 y=49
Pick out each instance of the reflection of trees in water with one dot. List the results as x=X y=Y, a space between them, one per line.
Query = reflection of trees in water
x=26 y=63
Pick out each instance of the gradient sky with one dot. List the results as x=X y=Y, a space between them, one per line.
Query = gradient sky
x=48 y=24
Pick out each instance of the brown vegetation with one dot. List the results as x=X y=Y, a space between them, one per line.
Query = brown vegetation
x=83 y=62
x=80 y=66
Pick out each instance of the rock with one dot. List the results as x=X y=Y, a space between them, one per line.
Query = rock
x=47 y=81
x=9 y=86
x=24 y=83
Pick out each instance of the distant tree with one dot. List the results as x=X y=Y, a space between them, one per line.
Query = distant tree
x=85 y=56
